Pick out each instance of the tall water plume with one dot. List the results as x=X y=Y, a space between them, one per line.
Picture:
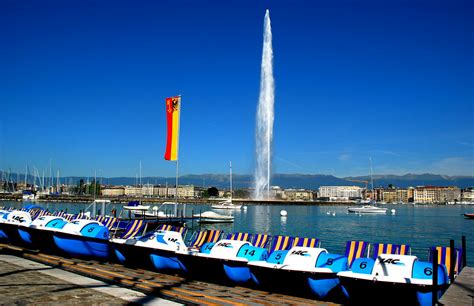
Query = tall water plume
x=265 y=116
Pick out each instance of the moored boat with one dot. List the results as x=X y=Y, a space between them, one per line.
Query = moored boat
x=155 y=249
x=401 y=278
x=223 y=260
x=302 y=270
x=212 y=217
x=83 y=238
x=367 y=209
x=469 y=216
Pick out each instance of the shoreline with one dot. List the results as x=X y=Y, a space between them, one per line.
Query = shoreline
x=126 y=200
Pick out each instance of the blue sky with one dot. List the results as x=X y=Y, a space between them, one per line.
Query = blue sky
x=83 y=83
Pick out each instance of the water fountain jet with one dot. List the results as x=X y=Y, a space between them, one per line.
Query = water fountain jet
x=265 y=116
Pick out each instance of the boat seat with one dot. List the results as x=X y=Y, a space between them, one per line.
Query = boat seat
x=239 y=236
x=110 y=222
x=444 y=258
x=204 y=237
x=356 y=249
x=280 y=243
x=132 y=229
x=164 y=227
x=306 y=242
x=261 y=240
x=388 y=248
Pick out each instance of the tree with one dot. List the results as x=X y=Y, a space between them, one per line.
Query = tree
x=213 y=192
x=82 y=188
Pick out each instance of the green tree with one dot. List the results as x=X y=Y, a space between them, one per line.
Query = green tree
x=213 y=192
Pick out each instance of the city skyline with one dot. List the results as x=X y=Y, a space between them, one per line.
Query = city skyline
x=85 y=86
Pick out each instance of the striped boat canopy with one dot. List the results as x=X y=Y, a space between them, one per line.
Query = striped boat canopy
x=280 y=243
x=133 y=229
x=444 y=258
x=204 y=237
x=239 y=236
x=261 y=240
x=388 y=248
x=306 y=242
x=356 y=249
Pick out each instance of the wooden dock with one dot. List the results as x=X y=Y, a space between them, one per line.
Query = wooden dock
x=461 y=292
x=166 y=286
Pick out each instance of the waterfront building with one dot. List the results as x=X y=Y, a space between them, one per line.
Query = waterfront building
x=467 y=195
x=340 y=192
x=115 y=191
x=133 y=191
x=434 y=194
x=298 y=195
x=184 y=191
x=147 y=190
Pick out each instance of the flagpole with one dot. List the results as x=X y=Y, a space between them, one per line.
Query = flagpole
x=176 y=189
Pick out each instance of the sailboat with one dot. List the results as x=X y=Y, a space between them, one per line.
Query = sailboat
x=370 y=208
x=227 y=204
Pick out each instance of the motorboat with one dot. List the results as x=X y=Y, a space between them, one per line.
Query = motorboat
x=227 y=204
x=301 y=269
x=212 y=217
x=469 y=216
x=403 y=279
x=367 y=209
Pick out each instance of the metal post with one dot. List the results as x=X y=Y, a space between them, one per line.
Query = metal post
x=464 y=252
x=452 y=259
x=435 y=276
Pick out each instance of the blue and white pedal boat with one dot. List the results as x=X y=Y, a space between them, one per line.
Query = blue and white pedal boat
x=302 y=270
x=83 y=238
x=393 y=279
x=223 y=260
x=9 y=223
x=156 y=249
x=39 y=233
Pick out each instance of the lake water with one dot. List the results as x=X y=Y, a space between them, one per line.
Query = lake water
x=419 y=226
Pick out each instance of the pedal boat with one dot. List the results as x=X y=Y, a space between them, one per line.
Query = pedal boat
x=39 y=233
x=9 y=223
x=83 y=238
x=397 y=279
x=155 y=249
x=223 y=260
x=305 y=270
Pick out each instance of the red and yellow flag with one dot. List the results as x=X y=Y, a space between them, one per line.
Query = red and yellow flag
x=173 y=106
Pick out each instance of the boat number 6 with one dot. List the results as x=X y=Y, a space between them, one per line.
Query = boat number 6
x=363 y=265
x=428 y=271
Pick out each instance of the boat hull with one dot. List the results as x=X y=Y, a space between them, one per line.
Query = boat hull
x=145 y=257
x=82 y=246
x=369 y=292
x=38 y=238
x=10 y=232
x=323 y=285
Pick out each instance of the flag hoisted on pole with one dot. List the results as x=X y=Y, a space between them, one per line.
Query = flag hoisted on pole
x=173 y=106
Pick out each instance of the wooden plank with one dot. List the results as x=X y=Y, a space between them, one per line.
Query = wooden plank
x=461 y=292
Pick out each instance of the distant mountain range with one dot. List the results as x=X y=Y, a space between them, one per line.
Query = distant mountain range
x=306 y=181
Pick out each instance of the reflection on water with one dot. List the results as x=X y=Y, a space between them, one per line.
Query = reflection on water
x=420 y=226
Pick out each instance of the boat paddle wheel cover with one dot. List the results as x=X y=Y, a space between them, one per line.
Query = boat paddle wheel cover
x=363 y=265
x=335 y=262
x=207 y=247
x=277 y=257
x=56 y=223
x=424 y=270
x=252 y=253
x=95 y=230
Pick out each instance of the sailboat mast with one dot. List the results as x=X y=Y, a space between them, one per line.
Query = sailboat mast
x=230 y=167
